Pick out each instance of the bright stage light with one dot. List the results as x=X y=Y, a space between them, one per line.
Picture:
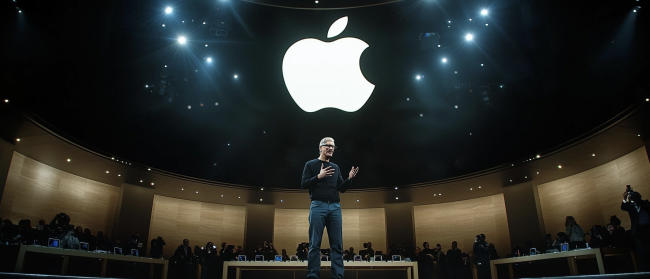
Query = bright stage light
x=168 y=10
x=181 y=40
x=484 y=12
x=444 y=60
x=469 y=37
x=209 y=59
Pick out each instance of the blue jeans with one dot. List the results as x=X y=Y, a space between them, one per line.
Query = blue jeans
x=321 y=215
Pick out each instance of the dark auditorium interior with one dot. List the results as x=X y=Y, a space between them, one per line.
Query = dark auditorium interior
x=166 y=139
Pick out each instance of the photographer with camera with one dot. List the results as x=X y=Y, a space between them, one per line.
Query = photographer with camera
x=302 y=251
x=482 y=254
x=639 y=211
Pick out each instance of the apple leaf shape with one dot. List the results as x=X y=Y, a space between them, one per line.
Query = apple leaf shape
x=337 y=27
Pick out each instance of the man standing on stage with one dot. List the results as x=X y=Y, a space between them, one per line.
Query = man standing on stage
x=324 y=181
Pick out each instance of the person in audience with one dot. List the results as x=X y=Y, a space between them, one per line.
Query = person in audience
x=639 y=211
x=454 y=261
x=351 y=254
x=548 y=242
x=560 y=238
x=223 y=249
x=70 y=240
x=285 y=257
x=481 y=250
x=493 y=252
x=209 y=265
x=302 y=251
x=370 y=253
x=156 y=249
x=425 y=263
x=439 y=268
x=183 y=258
x=575 y=233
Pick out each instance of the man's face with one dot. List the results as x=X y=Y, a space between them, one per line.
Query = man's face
x=610 y=228
x=426 y=246
x=186 y=242
x=328 y=148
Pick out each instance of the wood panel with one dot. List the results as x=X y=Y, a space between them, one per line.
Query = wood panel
x=359 y=226
x=200 y=222
x=37 y=191
x=596 y=194
x=461 y=221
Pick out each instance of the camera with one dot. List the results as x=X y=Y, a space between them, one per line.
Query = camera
x=631 y=194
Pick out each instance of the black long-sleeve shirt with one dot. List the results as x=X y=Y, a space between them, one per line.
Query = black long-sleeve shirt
x=327 y=188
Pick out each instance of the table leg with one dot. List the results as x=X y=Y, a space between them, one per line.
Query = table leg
x=151 y=268
x=104 y=265
x=573 y=267
x=225 y=270
x=238 y=273
x=64 y=266
x=633 y=255
x=511 y=271
x=599 y=260
x=21 y=259
x=408 y=272
x=165 y=270
x=415 y=272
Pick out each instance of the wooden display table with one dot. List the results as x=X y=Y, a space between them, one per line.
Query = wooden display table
x=75 y=253
x=571 y=257
x=411 y=268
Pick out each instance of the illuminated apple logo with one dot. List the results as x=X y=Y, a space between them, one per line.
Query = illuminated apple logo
x=322 y=75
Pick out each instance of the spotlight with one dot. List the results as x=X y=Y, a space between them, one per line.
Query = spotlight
x=197 y=192
x=206 y=45
x=281 y=200
x=151 y=183
x=69 y=160
x=486 y=24
x=209 y=59
x=19 y=11
x=469 y=37
x=168 y=10
x=17 y=139
x=559 y=166
x=593 y=155
x=107 y=172
x=397 y=198
x=182 y=189
x=181 y=40
x=357 y=200
x=421 y=115
x=235 y=76
x=395 y=188
x=163 y=25
x=538 y=156
x=439 y=194
x=204 y=22
x=647 y=99
x=260 y=199
x=418 y=77
x=444 y=60
x=484 y=12
x=146 y=86
x=6 y=100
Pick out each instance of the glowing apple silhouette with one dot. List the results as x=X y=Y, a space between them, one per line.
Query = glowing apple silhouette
x=322 y=75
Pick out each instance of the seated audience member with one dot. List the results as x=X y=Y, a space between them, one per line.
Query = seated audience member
x=302 y=251
x=25 y=234
x=575 y=233
x=560 y=238
x=70 y=240
x=285 y=257
x=454 y=261
x=370 y=253
x=612 y=238
x=548 y=242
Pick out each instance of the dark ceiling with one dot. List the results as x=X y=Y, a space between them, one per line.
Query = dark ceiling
x=536 y=75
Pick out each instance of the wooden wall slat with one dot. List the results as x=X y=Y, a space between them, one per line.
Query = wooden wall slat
x=596 y=194
x=461 y=221
x=37 y=191
x=359 y=226
x=200 y=222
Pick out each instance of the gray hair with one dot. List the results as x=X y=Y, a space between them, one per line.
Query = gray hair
x=323 y=142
